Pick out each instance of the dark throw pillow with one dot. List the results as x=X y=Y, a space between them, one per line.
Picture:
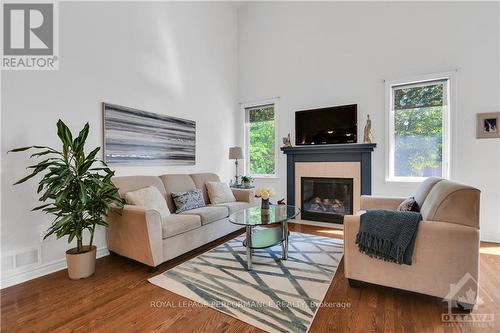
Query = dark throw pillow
x=409 y=205
x=188 y=200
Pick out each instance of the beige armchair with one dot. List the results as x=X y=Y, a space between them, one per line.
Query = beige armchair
x=446 y=248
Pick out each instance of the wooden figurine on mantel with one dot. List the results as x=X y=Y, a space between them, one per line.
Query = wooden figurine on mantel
x=368 y=138
x=287 y=142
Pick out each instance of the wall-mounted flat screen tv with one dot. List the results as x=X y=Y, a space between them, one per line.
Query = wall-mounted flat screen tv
x=332 y=125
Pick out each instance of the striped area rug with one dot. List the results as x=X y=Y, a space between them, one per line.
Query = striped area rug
x=276 y=295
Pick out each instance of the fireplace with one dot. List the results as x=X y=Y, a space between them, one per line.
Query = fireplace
x=340 y=163
x=326 y=199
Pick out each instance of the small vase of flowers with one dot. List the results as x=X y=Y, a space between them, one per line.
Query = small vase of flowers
x=264 y=193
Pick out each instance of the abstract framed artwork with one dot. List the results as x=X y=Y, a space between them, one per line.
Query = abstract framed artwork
x=488 y=125
x=136 y=137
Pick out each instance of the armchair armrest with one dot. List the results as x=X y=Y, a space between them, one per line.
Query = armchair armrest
x=135 y=232
x=373 y=202
x=244 y=195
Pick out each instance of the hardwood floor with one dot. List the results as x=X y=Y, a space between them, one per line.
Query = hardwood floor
x=119 y=298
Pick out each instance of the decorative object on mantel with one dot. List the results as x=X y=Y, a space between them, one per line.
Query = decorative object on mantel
x=287 y=142
x=281 y=202
x=77 y=189
x=487 y=125
x=236 y=153
x=264 y=193
x=368 y=138
x=136 y=137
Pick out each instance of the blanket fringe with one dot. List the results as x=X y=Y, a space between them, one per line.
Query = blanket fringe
x=379 y=248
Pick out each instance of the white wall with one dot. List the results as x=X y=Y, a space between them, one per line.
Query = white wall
x=178 y=59
x=324 y=54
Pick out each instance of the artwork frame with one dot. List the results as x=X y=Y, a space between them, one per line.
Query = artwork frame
x=488 y=125
x=133 y=137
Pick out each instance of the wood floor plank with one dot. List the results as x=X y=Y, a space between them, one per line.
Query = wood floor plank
x=118 y=298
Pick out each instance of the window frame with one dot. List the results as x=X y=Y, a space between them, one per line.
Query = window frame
x=244 y=107
x=448 y=110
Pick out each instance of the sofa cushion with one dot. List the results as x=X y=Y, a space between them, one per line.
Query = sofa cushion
x=409 y=205
x=189 y=200
x=209 y=214
x=219 y=193
x=148 y=197
x=237 y=206
x=200 y=179
x=131 y=183
x=424 y=189
x=176 y=224
x=176 y=183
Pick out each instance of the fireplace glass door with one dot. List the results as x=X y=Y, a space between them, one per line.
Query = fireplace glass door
x=326 y=199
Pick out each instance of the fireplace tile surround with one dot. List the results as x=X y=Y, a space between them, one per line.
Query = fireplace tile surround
x=340 y=161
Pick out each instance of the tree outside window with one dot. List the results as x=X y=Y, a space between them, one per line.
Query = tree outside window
x=417 y=128
x=261 y=140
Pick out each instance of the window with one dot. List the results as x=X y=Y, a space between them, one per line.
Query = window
x=260 y=140
x=418 y=126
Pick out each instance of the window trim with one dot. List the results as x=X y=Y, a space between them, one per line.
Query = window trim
x=244 y=106
x=448 y=120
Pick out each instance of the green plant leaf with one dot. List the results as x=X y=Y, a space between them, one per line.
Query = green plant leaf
x=22 y=180
x=20 y=149
x=85 y=166
x=83 y=193
x=41 y=207
x=82 y=137
x=29 y=147
x=45 y=152
x=92 y=154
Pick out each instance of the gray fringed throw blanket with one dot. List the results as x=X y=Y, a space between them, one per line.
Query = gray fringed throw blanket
x=388 y=235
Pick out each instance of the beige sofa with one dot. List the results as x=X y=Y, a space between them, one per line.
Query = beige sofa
x=446 y=248
x=141 y=234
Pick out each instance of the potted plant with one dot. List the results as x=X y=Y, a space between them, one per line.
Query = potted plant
x=76 y=191
x=247 y=181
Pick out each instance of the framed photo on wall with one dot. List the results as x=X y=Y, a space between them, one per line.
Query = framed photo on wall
x=488 y=125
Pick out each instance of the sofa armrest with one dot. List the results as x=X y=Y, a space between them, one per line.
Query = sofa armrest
x=243 y=195
x=444 y=253
x=373 y=202
x=135 y=232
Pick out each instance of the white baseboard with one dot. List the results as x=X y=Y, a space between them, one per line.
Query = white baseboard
x=41 y=270
x=490 y=240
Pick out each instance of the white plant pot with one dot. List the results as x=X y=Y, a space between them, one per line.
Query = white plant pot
x=81 y=265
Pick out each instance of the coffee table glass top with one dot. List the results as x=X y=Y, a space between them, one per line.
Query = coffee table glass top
x=258 y=216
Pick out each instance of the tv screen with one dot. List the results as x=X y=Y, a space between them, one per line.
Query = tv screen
x=337 y=124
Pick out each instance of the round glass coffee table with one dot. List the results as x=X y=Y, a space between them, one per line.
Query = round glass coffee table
x=260 y=239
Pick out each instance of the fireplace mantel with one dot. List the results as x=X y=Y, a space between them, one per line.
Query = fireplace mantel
x=343 y=148
x=351 y=152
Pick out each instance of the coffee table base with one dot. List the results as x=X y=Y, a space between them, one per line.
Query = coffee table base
x=266 y=238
